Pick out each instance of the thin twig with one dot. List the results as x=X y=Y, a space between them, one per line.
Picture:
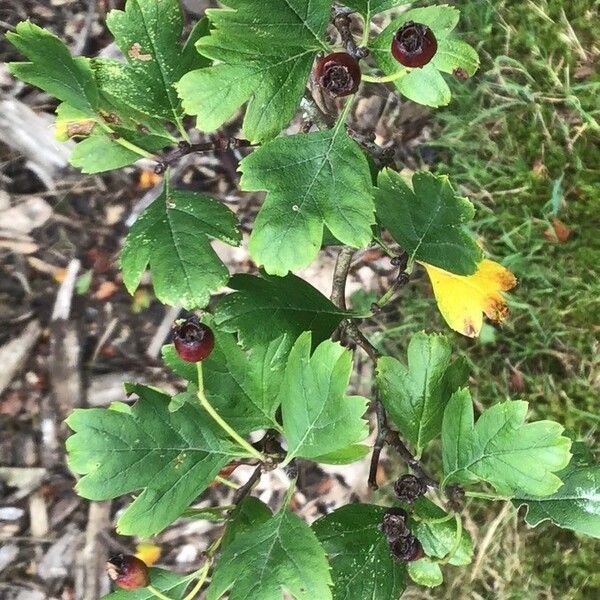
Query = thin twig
x=359 y=338
x=313 y=112
x=338 y=297
x=382 y=432
x=393 y=439
x=382 y=157
x=242 y=492
x=340 y=275
x=184 y=148
x=341 y=21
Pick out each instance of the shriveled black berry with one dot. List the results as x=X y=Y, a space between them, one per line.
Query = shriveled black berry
x=456 y=497
x=128 y=571
x=409 y=487
x=193 y=340
x=414 y=45
x=338 y=73
x=393 y=524
x=406 y=549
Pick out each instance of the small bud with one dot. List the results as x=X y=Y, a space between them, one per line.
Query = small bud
x=128 y=572
x=394 y=524
x=406 y=549
x=409 y=487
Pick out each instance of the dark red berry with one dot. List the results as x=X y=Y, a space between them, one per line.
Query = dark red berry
x=414 y=45
x=393 y=524
x=193 y=340
x=460 y=74
x=409 y=487
x=406 y=549
x=128 y=571
x=338 y=74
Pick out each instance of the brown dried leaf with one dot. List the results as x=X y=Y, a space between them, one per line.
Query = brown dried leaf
x=105 y=290
x=558 y=232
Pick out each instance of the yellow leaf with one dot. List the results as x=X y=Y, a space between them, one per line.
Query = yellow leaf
x=149 y=553
x=462 y=299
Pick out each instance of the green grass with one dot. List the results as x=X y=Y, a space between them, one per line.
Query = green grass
x=522 y=140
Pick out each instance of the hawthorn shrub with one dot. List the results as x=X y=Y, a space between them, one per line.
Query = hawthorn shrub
x=266 y=385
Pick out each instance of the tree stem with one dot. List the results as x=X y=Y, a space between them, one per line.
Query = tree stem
x=378 y=445
x=393 y=439
x=243 y=491
x=341 y=21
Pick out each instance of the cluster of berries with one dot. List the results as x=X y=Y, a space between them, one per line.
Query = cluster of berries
x=413 y=46
x=404 y=546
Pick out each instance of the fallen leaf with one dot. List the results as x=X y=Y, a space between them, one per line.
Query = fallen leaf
x=148 y=179
x=558 y=232
x=114 y=213
x=517 y=381
x=462 y=299
x=149 y=553
x=105 y=290
x=59 y=275
x=25 y=216
x=44 y=267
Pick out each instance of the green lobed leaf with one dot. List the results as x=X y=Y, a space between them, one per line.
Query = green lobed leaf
x=320 y=422
x=107 y=126
x=263 y=58
x=368 y=8
x=264 y=308
x=268 y=557
x=171 y=584
x=148 y=32
x=313 y=180
x=415 y=396
x=428 y=222
x=242 y=386
x=576 y=504
x=426 y=85
x=438 y=538
x=248 y=514
x=171 y=236
x=172 y=457
x=52 y=68
x=361 y=563
x=100 y=152
x=512 y=456
x=425 y=572
x=455 y=54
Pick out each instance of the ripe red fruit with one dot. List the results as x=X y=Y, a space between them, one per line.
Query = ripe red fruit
x=414 y=45
x=193 y=340
x=128 y=572
x=338 y=73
